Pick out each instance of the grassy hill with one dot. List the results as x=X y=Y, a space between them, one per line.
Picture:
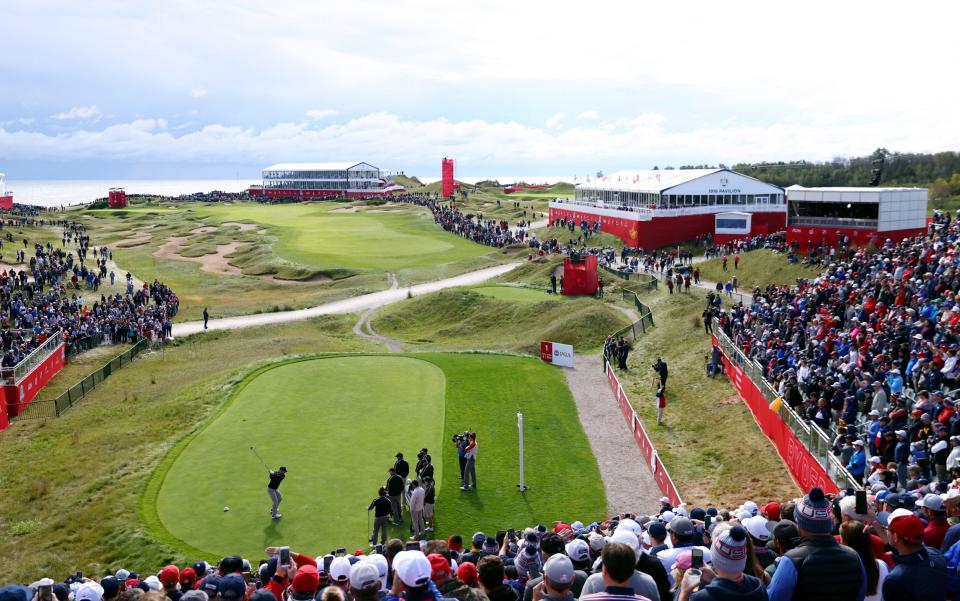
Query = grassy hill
x=757 y=268
x=465 y=319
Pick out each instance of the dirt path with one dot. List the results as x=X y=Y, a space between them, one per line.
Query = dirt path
x=364 y=329
x=349 y=305
x=626 y=477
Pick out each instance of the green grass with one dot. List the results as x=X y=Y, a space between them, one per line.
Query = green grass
x=757 y=268
x=519 y=294
x=463 y=318
x=709 y=442
x=79 y=478
x=338 y=444
x=334 y=423
x=330 y=255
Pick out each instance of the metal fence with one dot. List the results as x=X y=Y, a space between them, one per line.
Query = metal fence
x=641 y=325
x=49 y=408
x=808 y=433
x=75 y=347
x=643 y=280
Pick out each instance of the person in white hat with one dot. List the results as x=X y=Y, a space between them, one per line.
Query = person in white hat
x=411 y=576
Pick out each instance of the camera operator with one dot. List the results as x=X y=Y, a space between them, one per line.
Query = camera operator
x=470 y=468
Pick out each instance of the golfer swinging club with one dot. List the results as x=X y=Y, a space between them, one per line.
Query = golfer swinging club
x=273 y=489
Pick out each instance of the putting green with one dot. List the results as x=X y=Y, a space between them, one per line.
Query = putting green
x=336 y=423
x=518 y=294
x=324 y=236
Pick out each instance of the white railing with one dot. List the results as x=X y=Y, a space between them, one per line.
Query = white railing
x=13 y=375
x=648 y=213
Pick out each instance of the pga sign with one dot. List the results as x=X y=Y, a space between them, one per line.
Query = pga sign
x=556 y=353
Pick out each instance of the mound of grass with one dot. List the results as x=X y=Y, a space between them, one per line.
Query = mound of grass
x=709 y=441
x=466 y=319
x=757 y=268
x=519 y=294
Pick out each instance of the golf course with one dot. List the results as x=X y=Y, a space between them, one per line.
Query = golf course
x=335 y=422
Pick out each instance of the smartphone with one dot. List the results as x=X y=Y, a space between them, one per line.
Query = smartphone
x=341 y=551
x=696 y=558
x=284 y=556
x=413 y=545
x=78 y=576
x=512 y=533
x=327 y=560
x=861 y=507
x=706 y=521
x=46 y=593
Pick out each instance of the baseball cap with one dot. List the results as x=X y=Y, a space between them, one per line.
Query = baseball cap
x=169 y=575
x=490 y=545
x=440 y=567
x=771 y=510
x=757 y=527
x=340 y=569
x=596 y=541
x=413 y=568
x=933 y=502
x=681 y=526
x=122 y=575
x=232 y=586
x=110 y=585
x=365 y=575
x=559 y=569
x=210 y=584
x=468 y=573
x=478 y=538
x=904 y=523
x=153 y=583
x=657 y=531
x=578 y=550
x=684 y=560
x=89 y=591
x=306 y=581
x=455 y=542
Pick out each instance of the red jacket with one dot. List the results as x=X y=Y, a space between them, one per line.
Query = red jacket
x=279 y=583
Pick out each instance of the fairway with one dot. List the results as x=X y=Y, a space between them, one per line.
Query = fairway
x=336 y=423
x=322 y=237
x=518 y=294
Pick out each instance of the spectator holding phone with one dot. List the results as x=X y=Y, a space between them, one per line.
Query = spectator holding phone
x=725 y=580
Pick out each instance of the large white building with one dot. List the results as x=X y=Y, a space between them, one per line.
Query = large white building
x=653 y=208
x=322 y=180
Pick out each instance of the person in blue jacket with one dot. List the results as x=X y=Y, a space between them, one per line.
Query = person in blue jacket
x=858 y=461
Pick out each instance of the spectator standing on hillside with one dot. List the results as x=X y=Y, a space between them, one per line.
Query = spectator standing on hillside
x=661 y=368
x=206 y=314
x=818 y=568
x=661 y=402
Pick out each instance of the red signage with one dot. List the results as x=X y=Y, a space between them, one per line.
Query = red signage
x=546 y=351
x=17 y=397
x=802 y=465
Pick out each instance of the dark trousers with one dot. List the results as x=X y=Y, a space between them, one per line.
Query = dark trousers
x=463 y=464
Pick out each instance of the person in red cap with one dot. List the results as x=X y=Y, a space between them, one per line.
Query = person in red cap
x=305 y=583
x=188 y=579
x=468 y=573
x=771 y=511
x=170 y=579
x=920 y=572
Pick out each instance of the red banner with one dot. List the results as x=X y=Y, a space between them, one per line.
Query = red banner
x=802 y=465
x=17 y=397
x=660 y=475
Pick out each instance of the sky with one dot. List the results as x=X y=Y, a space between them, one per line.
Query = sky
x=168 y=89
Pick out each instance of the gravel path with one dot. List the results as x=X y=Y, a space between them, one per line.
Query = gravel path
x=627 y=479
x=349 y=305
x=364 y=329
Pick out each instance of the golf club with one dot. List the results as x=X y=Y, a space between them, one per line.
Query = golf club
x=260 y=458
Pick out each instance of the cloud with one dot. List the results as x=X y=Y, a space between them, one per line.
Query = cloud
x=321 y=113
x=198 y=92
x=398 y=143
x=79 y=112
x=588 y=116
x=555 y=121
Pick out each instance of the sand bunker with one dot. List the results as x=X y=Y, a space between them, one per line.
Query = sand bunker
x=206 y=229
x=244 y=227
x=219 y=263
x=345 y=210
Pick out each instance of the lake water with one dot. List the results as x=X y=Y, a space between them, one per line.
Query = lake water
x=54 y=193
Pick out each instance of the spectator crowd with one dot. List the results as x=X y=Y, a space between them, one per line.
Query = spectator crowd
x=815 y=547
